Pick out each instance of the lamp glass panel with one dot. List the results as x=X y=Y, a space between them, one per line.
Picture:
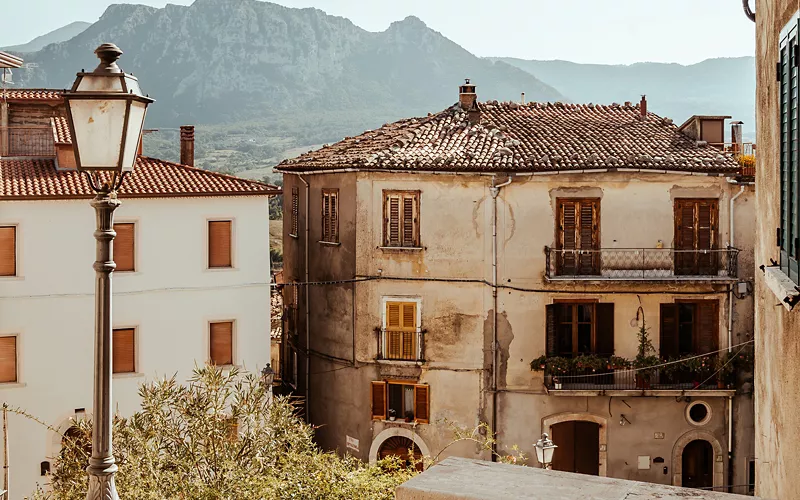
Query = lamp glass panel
x=548 y=454
x=133 y=85
x=90 y=83
x=539 y=453
x=98 y=131
x=133 y=134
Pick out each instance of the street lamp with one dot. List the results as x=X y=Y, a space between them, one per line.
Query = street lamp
x=268 y=376
x=105 y=110
x=544 y=450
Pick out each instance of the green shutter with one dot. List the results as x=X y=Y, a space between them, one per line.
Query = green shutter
x=789 y=235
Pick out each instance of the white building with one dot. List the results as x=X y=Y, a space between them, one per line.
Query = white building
x=192 y=286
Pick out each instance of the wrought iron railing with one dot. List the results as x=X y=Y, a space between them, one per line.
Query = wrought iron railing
x=401 y=345
x=640 y=263
x=27 y=141
x=611 y=378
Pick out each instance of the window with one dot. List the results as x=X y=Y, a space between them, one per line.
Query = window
x=221 y=340
x=295 y=209
x=578 y=236
x=124 y=249
x=401 y=219
x=689 y=328
x=789 y=229
x=751 y=476
x=8 y=250
x=400 y=331
x=124 y=356
x=696 y=229
x=8 y=359
x=400 y=401
x=330 y=215
x=580 y=328
x=219 y=244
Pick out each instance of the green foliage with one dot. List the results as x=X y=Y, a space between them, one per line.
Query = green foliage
x=219 y=437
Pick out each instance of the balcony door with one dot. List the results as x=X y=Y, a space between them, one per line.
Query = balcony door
x=578 y=237
x=575 y=328
x=696 y=231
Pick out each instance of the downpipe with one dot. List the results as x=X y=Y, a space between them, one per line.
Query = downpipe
x=732 y=239
x=307 y=306
x=495 y=191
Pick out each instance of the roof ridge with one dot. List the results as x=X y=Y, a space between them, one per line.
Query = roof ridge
x=209 y=172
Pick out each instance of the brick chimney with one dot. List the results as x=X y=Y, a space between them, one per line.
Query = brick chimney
x=187 y=145
x=467 y=95
x=643 y=107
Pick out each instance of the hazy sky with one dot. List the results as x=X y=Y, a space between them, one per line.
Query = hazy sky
x=618 y=31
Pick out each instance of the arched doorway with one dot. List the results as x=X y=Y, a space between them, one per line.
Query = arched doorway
x=402 y=447
x=578 y=447
x=717 y=458
x=697 y=469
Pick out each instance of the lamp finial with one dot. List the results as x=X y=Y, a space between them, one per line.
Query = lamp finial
x=108 y=53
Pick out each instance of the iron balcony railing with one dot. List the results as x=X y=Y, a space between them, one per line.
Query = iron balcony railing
x=641 y=264
x=27 y=141
x=609 y=378
x=401 y=345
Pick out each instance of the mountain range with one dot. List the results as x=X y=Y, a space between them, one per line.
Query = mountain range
x=61 y=34
x=264 y=82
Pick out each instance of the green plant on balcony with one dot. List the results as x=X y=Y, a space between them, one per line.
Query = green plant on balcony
x=559 y=366
x=618 y=363
x=591 y=362
x=539 y=364
x=645 y=358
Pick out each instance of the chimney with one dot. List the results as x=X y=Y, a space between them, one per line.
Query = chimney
x=467 y=95
x=523 y=98
x=643 y=107
x=187 y=145
x=736 y=137
x=140 y=149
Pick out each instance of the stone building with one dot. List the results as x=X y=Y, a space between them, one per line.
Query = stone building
x=482 y=265
x=777 y=250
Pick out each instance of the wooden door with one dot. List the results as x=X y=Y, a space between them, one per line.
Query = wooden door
x=698 y=465
x=578 y=447
x=400 y=446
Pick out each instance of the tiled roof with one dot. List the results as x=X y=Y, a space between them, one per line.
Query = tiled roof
x=26 y=179
x=32 y=94
x=61 y=132
x=512 y=137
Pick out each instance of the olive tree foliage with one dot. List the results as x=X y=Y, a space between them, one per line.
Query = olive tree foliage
x=219 y=437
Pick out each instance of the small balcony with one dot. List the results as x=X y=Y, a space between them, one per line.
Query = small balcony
x=33 y=141
x=401 y=345
x=641 y=264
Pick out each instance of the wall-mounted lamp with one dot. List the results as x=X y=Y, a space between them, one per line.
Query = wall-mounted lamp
x=623 y=420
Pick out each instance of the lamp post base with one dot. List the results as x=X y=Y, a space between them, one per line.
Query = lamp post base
x=101 y=484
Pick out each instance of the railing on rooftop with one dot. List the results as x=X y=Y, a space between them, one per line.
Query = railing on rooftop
x=640 y=264
x=745 y=154
x=27 y=141
x=398 y=345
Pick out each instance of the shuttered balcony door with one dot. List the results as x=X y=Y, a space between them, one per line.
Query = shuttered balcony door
x=219 y=244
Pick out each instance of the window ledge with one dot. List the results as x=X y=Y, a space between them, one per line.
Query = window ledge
x=293 y=236
x=12 y=385
x=400 y=362
x=401 y=422
x=401 y=249
x=220 y=269
x=330 y=243
x=128 y=375
x=12 y=278
x=781 y=286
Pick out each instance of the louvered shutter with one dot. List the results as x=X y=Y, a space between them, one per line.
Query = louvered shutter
x=409 y=319
x=124 y=356
x=550 y=327
x=8 y=251
x=604 y=329
x=326 y=217
x=409 y=220
x=124 y=247
x=668 y=341
x=589 y=237
x=707 y=327
x=219 y=243
x=684 y=237
x=706 y=236
x=422 y=403
x=567 y=236
x=334 y=219
x=378 y=400
x=789 y=239
x=8 y=359
x=295 y=211
x=392 y=222
x=221 y=340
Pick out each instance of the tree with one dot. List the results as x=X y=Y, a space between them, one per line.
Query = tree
x=220 y=437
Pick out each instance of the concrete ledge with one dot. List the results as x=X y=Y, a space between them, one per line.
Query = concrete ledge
x=780 y=285
x=644 y=393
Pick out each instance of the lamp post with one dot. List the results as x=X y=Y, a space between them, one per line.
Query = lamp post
x=268 y=376
x=105 y=110
x=544 y=450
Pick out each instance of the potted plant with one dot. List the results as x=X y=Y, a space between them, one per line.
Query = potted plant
x=556 y=383
x=645 y=358
x=591 y=362
x=409 y=416
x=392 y=414
x=618 y=363
x=539 y=364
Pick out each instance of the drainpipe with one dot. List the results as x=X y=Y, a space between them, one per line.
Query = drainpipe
x=308 y=310
x=495 y=190
x=730 y=338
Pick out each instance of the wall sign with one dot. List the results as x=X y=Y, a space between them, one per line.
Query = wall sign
x=352 y=443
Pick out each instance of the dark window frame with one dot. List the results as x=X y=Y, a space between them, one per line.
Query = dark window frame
x=406 y=237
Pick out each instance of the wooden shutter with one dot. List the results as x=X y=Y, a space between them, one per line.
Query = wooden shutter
x=379 y=401
x=578 y=229
x=124 y=356
x=401 y=330
x=219 y=243
x=604 y=329
x=706 y=237
x=668 y=341
x=8 y=251
x=8 y=359
x=295 y=211
x=696 y=229
x=392 y=221
x=221 y=339
x=410 y=229
x=706 y=327
x=589 y=236
x=330 y=216
x=550 y=328
x=124 y=247
x=401 y=219
x=422 y=404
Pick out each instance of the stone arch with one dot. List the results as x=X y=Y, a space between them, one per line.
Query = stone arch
x=56 y=434
x=677 y=456
x=558 y=418
x=392 y=432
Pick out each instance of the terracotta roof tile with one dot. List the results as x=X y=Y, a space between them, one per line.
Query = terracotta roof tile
x=32 y=94
x=61 y=132
x=512 y=137
x=25 y=179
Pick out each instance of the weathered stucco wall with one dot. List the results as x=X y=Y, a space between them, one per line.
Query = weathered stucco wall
x=778 y=331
